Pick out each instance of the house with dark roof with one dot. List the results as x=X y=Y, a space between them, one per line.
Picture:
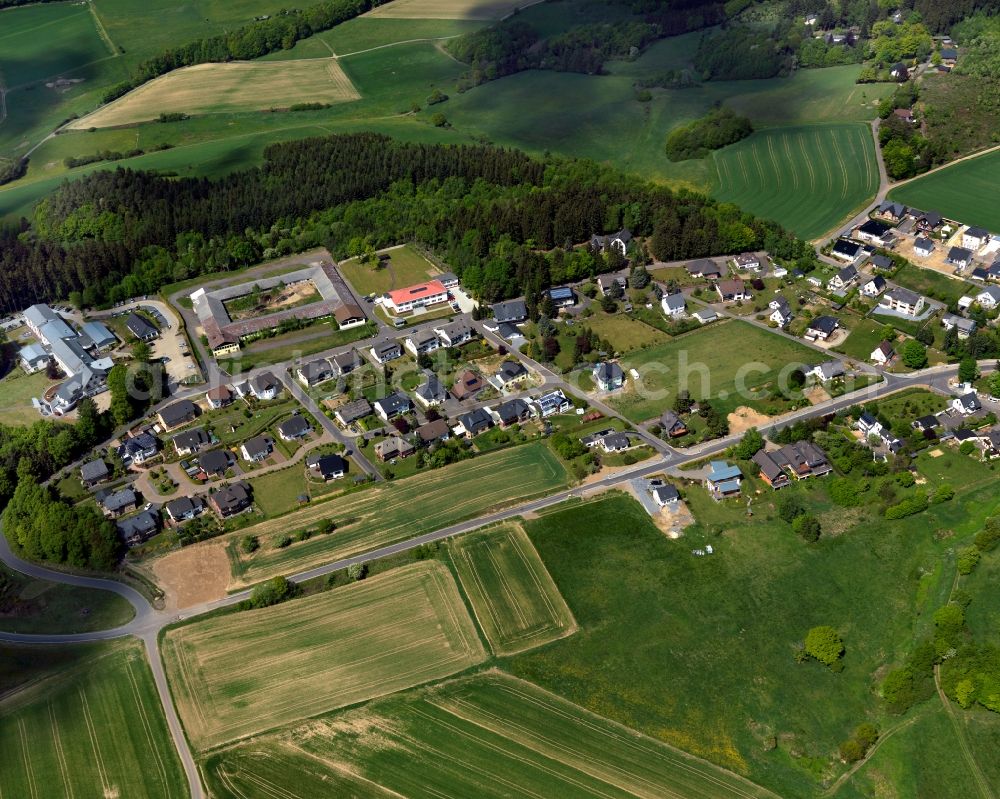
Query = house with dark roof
x=874 y=231
x=673 y=304
x=215 y=462
x=328 y=467
x=456 y=333
x=294 y=427
x=615 y=442
x=975 y=237
x=183 y=509
x=925 y=423
x=923 y=246
x=960 y=257
x=665 y=495
x=190 y=441
x=609 y=376
x=257 y=449
x=513 y=411
x=231 y=500
x=704 y=267
x=387 y=350
x=883 y=354
x=732 y=290
x=846 y=250
x=314 y=372
x=177 y=414
x=136 y=529
x=821 y=327
x=902 y=301
x=892 y=210
x=562 y=296
x=747 y=262
x=802 y=459
x=474 y=422
x=770 y=472
x=618 y=241
x=396 y=404
x=509 y=374
x=438 y=430
x=265 y=386
x=345 y=362
x=827 y=371
x=115 y=503
x=140 y=328
x=929 y=222
x=512 y=312
x=393 y=447
x=219 y=397
x=138 y=449
x=844 y=278
x=874 y=287
x=350 y=412
x=671 y=424
x=430 y=393
x=422 y=342
x=552 y=402
x=94 y=472
x=967 y=404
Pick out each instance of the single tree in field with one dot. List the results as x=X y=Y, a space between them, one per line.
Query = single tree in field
x=824 y=644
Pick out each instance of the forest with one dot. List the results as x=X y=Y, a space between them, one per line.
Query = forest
x=487 y=211
x=719 y=127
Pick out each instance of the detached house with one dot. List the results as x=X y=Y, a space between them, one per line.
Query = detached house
x=883 y=354
x=138 y=528
x=474 y=422
x=257 y=449
x=723 y=480
x=455 y=334
x=960 y=257
x=509 y=374
x=393 y=447
x=844 y=278
x=177 y=414
x=770 y=472
x=966 y=404
x=430 y=393
x=511 y=412
x=672 y=425
x=350 y=412
x=219 y=397
x=989 y=297
x=902 y=301
x=562 y=296
x=873 y=231
x=874 y=287
x=732 y=290
x=605 y=282
x=553 y=402
x=314 y=372
x=183 y=509
x=345 y=363
x=385 y=351
x=616 y=241
x=423 y=342
x=115 y=503
x=821 y=328
x=140 y=328
x=846 y=250
x=923 y=246
x=609 y=376
x=190 y=441
x=747 y=262
x=215 y=462
x=138 y=449
x=467 y=385
x=781 y=311
x=825 y=372
x=673 y=304
x=265 y=386
x=396 y=404
x=294 y=428
x=94 y=472
x=929 y=222
x=511 y=312
x=231 y=500
x=965 y=327
x=328 y=467
x=975 y=237
x=892 y=211
x=704 y=267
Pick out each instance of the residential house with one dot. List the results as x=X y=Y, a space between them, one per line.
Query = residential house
x=882 y=263
x=94 y=472
x=975 y=238
x=231 y=500
x=350 y=412
x=592 y=440
x=138 y=528
x=874 y=231
x=926 y=423
x=438 y=430
x=827 y=371
x=874 y=287
x=959 y=257
x=177 y=414
x=294 y=427
x=615 y=241
x=345 y=362
x=349 y=315
x=385 y=351
x=665 y=495
x=868 y=425
x=844 y=278
x=265 y=386
x=846 y=250
x=967 y=404
x=393 y=447
x=671 y=424
x=396 y=404
x=455 y=334
x=140 y=328
x=748 y=262
x=314 y=372
x=781 y=311
x=673 y=304
x=215 y=463
x=183 y=509
x=507 y=330
x=923 y=246
x=705 y=315
x=892 y=211
x=615 y=442
x=513 y=411
x=411 y=298
x=965 y=327
x=770 y=472
x=562 y=296
x=327 y=467
x=929 y=222
x=821 y=328
x=509 y=375
x=979 y=274
x=219 y=397
x=138 y=449
x=779 y=271
x=609 y=376
x=467 y=385
x=732 y=290
x=902 y=301
x=257 y=449
x=989 y=297
x=430 y=393
x=802 y=459
x=949 y=55
x=723 y=480
x=704 y=267
x=605 y=282
x=511 y=312
x=883 y=354
x=422 y=342
x=115 y=503
x=552 y=402
x=474 y=422
x=190 y=441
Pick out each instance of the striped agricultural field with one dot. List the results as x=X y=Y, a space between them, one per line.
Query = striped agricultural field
x=808 y=178
x=238 y=675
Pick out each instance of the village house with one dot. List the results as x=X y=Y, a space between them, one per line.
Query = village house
x=967 y=404
x=665 y=495
x=925 y=423
x=327 y=467
x=345 y=362
x=562 y=296
x=396 y=404
x=974 y=238
x=264 y=386
x=671 y=424
x=385 y=351
x=94 y=472
x=351 y=412
x=116 y=503
x=314 y=372
x=514 y=411
x=177 y=414
x=923 y=246
x=928 y=222
x=704 y=267
x=509 y=374
x=883 y=354
x=215 y=462
x=874 y=231
x=874 y=287
x=231 y=500
x=748 y=262
x=723 y=480
x=801 y=460
x=732 y=290
x=467 y=384
x=294 y=428
x=140 y=328
x=431 y=392
x=511 y=312
x=673 y=304
x=608 y=376
x=219 y=397
x=846 y=250
x=844 y=278
x=183 y=509
x=827 y=371
x=781 y=311
x=989 y=297
x=474 y=422
x=138 y=449
x=422 y=342
x=438 y=430
x=821 y=328
x=605 y=283
x=190 y=441
x=455 y=334
x=892 y=211
x=902 y=301
x=959 y=257
x=965 y=327
x=615 y=241
x=615 y=442
x=705 y=315
x=138 y=528
x=552 y=402
x=257 y=449
x=393 y=447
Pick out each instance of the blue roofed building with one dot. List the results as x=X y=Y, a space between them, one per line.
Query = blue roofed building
x=723 y=479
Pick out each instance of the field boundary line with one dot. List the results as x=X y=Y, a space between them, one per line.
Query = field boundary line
x=26 y=759
x=101 y=30
x=405 y=41
x=60 y=754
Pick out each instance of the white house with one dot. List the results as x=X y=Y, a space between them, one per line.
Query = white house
x=421 y=295
x=781 y=311
x=974 y=238
x=965 y=327
x=960 y=257
x=265 y=386
x=883 y=353
x=609 y=376
x=923 y=246
x=902 y=301
x=705 y=315
x=874 y=287
x=821 y=327
x=989 y=297
x=673 y=304
x=966 y=404
x=844 y=278
x=747 y=262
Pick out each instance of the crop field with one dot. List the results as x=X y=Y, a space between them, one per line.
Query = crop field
x=403 y=267
x=94 y=727
x=383 y=515
x=490 y=736
x=238 y=675
x=227 y=88
x=448 y=9
x=808 y=178
x=517 y=604
x=722 y=362
x=964 y=191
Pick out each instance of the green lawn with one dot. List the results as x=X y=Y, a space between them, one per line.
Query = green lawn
x=16 y=392
x=278 y=492
x=737 y=696
x=623 y=332
x=82 y=729
x=865 y=336
x=721 y=363
x=317 y=337
x=809 y=178
x=40 y=606
x=963 y=191
x=404 y=267
x=932 y=284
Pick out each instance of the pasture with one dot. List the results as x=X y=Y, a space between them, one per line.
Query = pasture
x=514 y=599
x=93 y=726
x=389 y=513
x=490 y=736
x=962 y=191
x=397 y=268
x=733 y=363
x=448 y=9
x=235 y=676
x=227 y=88
x=808 y=178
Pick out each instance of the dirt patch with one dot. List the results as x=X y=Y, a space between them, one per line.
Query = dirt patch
x=816 y=395
x=192 y=575
x=743 y=418
x=935 y=453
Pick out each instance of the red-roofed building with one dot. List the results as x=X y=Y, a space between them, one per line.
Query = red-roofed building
x=418 y=296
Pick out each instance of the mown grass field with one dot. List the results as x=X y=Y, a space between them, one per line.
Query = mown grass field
x=234 y=676
x=490 y=736
x=932 y=284
x=624 y=333
x=227 y=88
x=514 y=599
x=389 y=513
x=16 y=391
x=721 y=362
x=404 y=267
x=85 y=728
x=808 y=178
x=963 y=191
x=864 y=337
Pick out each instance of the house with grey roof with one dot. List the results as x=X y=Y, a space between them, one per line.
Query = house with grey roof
x=257 y=449
x=231 y=500
x=396 y=404
x=511 y=311
x=386 y=350
x=140 y=328
x=183 y=509
x=475 y=422
x=513 y=411
x=190 y=441
x=314 y=372
x=431 y=392
x=178 y=413
x=115 y=503
x=609 y=376
x=351 y=412
x=673 y=304
x=215 y=462
x=94 y=472
x=295 y=427
x=456 y=333
x=902 y=301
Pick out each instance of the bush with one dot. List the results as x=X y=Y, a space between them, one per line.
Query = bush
x=806 y=526
x=824 y=644
x=917 y=503
x=439 y=120
x=284 y=541
x=968 y=559
x=943 y=493
x=357 y=571
x=713 y=131
x=845 y=492
x=275 y=590
x=851 y=751
x=249 y=544
x=988 y=538
x=790 y=506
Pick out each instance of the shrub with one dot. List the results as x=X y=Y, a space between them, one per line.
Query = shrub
x=851 y=751
x=271 y=592
x=917 y=503
x=249 y=543
x=824 y=644
x=806 y=526
x=968 y=558
x=789 y=506
x=988 y=538
x=357 y=571
x=943 y=493
x=845 y=492
x=284 y=541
